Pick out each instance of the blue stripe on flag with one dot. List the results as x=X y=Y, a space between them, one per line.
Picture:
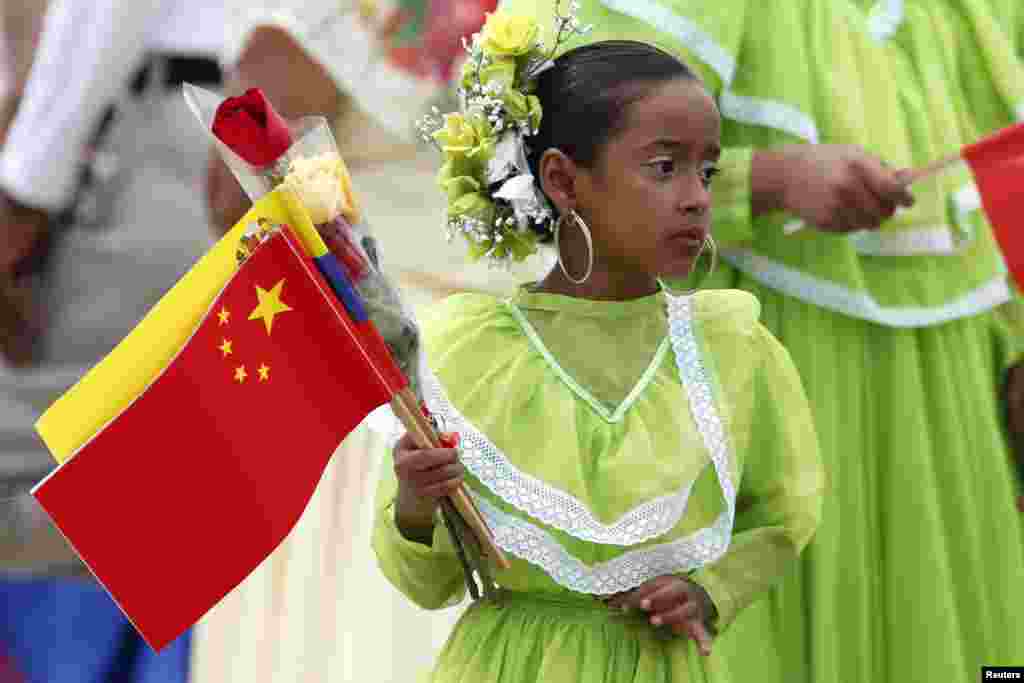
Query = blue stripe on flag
x=331 y=269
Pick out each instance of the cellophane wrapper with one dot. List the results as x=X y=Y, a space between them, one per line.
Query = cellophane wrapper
x=314 y=169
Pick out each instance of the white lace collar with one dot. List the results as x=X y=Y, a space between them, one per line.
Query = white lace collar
x=562 y=511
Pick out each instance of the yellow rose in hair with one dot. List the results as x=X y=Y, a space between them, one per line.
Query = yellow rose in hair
x=473 y=205
x=459 y=186
x=508 y=35
x=466 y=137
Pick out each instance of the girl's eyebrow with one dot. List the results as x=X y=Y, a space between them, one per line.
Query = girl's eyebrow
x=713 y=150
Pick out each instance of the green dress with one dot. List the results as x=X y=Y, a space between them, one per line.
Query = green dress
x=902 y=336
x=608 y=443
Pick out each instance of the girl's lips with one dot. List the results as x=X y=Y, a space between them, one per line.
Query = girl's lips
x=691 y=234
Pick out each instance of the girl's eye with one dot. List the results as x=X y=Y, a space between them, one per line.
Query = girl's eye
x=708 y=173
x=663 y=168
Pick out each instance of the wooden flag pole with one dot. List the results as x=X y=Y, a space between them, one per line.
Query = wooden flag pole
x=932 y=169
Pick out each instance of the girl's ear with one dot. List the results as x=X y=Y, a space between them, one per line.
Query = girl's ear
x=558 y=174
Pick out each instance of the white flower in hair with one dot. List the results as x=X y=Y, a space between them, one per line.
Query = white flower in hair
x=509 y=158
x=528 y=204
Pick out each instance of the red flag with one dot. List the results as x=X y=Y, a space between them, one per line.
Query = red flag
x=188 y=490
x=997 y=163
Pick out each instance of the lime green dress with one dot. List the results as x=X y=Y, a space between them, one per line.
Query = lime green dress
x=902 y=336
x=608 y=443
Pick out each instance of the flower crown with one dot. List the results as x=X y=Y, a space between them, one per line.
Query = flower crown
x=493 y=201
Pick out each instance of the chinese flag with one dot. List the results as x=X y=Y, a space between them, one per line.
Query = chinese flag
x=183 y=494
x=997 y=163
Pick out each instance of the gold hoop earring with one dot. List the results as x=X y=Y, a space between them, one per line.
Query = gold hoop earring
x=590 y=246
x=708 y=245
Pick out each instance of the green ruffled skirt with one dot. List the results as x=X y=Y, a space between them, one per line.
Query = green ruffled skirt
x=574 y=638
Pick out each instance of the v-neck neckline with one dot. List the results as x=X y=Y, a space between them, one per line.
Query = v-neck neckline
x=611 y=309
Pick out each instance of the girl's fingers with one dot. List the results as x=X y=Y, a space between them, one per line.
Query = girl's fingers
x=438 y=475
x=678 y=615
x=665 y=598
x=445 y=488
x=421 y=461
x=695 y=629
x=634 y=598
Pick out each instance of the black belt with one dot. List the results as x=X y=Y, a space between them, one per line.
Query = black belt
x=178 y=70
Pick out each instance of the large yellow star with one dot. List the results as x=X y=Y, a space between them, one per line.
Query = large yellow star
x=240 y=374
x=225 y=348
x=264 y=372
x=270 y=305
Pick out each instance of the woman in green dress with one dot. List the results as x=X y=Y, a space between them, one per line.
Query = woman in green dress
x=647 y=459
x=903 y=325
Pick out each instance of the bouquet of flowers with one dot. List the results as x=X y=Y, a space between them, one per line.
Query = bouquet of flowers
x=266 y=153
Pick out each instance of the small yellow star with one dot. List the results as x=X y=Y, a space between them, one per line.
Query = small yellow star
x=264 y=373
x=240 y=374
x=270 y=305
x=225 y=348
x=223 y=316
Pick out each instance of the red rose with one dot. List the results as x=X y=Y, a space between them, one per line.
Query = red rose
x=251 y=128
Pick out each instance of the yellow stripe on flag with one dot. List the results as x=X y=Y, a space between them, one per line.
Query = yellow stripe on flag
x=110 y=387
x=302 y=225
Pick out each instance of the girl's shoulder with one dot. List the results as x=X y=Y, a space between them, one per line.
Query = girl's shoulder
x=728 y=323
x=468 y=320
x=725 y=311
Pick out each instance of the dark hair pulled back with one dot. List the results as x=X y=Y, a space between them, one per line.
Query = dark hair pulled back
x=586 y=94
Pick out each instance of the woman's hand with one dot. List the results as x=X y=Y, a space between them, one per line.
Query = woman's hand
x=1015 y=420
x=835 y=188
x=424 y=477
x=675 y=602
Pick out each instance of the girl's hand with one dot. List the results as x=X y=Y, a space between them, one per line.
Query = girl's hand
x=424 y=477
x=675 y=602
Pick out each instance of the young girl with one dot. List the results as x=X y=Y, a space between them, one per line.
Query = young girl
x=647 y=459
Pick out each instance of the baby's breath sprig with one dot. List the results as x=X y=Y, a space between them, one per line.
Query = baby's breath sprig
x=567 y=25
x=430 y=124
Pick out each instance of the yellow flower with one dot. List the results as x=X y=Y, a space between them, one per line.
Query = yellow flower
x=474 y=205
x=465 y=137
x=458 y=186
x=322 y=185
x=500 y=70
x=508 y=35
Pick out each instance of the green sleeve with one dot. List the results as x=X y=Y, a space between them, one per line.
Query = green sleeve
x=778 y=507
x=430 y=576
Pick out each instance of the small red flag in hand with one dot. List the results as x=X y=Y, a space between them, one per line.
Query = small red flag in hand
x=252 y=129
x=997 y=163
